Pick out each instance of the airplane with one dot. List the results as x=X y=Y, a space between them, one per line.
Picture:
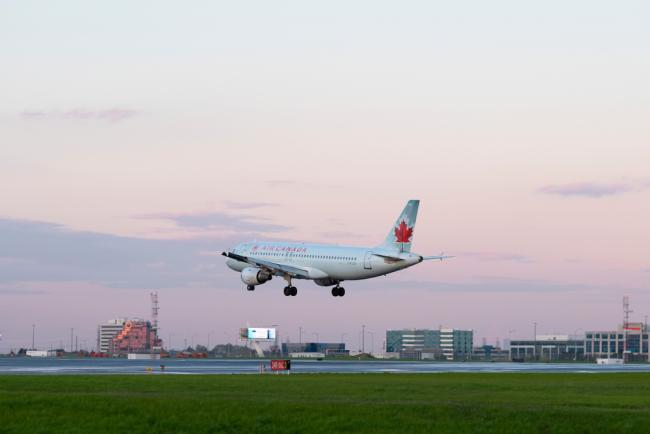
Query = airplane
x=325 y=264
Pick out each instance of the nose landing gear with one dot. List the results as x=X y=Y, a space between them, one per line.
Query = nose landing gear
x=250 y=287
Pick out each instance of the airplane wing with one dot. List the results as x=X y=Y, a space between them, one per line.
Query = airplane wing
x=268 y=265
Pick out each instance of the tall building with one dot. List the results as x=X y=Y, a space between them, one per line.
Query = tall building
x=456 y=344
x=451 y=344
x=106 y=332
x=136 y=336
x=630 y=340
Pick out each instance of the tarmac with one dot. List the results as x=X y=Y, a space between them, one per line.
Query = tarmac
x=67 y=366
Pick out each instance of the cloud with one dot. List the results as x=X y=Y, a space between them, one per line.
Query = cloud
x=248 y=205
x=595 y=189
x=19 y=289
x=217 y=221
x=109 y=115
x=38 y=251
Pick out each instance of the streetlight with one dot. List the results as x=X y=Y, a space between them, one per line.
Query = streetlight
x=278 y=344
x=372 y=342
x=228 y=344
x=575 y=344
x=169 y=342
x=209 y=333
x=314 y=333
x=510 y=331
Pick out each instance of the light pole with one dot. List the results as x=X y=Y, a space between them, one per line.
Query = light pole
x=227 y=344
x=372 y=343
x=33 y=336
x=300 y=335
x=316 y=334
x=169 y=342
x=278 y=344
x=575 y=344
x=510 y=331
x=363 y=338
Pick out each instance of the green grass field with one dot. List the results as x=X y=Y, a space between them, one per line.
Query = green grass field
x=323 y=403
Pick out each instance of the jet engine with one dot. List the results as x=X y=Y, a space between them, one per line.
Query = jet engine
x=327 y=281
x=255 y=276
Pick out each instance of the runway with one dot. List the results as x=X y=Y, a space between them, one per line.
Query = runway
x=54 y=366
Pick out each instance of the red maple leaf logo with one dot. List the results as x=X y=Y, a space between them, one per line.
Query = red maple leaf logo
x=403 y=233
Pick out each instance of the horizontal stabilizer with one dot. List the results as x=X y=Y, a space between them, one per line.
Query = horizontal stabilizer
x=439 y=257
x=389 y=257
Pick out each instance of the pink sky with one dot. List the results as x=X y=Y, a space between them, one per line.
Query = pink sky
x=524 y=135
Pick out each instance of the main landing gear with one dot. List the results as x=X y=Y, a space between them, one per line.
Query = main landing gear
x=290 y=291
x=338 y=291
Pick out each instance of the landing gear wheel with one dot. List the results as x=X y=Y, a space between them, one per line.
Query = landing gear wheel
x=293 y=291
x=335 y=291
x=338 y=291
x=250 y=287
x=341 y=292
x=287 y=291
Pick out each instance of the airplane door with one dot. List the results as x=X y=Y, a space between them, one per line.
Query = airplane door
x=366 y=261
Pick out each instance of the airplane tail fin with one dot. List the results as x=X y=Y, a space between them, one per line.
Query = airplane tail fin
x=400 y=236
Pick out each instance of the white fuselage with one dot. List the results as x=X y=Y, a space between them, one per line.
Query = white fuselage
x=326 y=262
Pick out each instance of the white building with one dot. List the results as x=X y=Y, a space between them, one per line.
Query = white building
x=40 y=353
x=106 y=332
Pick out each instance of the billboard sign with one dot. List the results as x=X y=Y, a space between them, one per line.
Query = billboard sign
x=258 y=333
x=280 y=365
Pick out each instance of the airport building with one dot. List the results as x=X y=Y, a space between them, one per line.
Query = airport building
x=449 y=344
x=106 y=332
x=329 y=349
x=630 y=341
x=547 y=347
x=136 y=336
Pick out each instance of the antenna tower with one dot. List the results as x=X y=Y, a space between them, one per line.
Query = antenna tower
x=626 y=320
x=154 y=316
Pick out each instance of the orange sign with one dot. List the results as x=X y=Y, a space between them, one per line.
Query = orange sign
x=280 y=365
